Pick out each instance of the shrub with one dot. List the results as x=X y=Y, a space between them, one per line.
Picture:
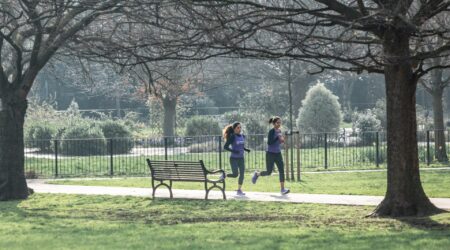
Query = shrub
x=82 y=140
x=122 y=141
x=370 y=155
x=423 y=153
x=203 y=147
x=254 y=125
x=367 y=124
x=200 y=125
x=320 y=111
x=31 y=174
x=40 y=136
x=380 y=112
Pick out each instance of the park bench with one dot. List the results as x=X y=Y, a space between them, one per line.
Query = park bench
x=191 y=171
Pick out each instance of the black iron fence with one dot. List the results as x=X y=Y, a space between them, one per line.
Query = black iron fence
x=126 y=156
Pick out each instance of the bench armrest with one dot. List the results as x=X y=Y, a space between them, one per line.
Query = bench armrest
x=215 y=171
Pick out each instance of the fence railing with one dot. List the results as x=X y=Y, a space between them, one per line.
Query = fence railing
x=126 y=156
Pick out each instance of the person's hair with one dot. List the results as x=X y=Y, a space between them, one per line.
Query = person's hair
x=274 y=119
x=229 y=129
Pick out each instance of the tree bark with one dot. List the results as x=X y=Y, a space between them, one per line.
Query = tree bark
x=169 y=105
x=405 y=195
x=13 y=185
x=440 y=150
x=436 y=90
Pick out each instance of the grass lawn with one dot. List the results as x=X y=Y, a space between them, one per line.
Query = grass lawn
x=338 y=158
x=436 y=183
x=47 y=221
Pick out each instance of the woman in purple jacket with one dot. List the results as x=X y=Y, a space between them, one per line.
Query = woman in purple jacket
x=234 y=138
x=273 y=154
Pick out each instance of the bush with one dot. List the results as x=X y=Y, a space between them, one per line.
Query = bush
x=204 y=147
x=82 y=140
x=371 y=155
x=347 y=117
x=423 y=153
x=122 y=141
x=320 y=111
x=40 y=136
x=380 y=112
x=254 y=125
x=367 y=125
x=199 y=125
x=31 y=174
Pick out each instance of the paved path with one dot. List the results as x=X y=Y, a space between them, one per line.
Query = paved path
x=40 y=186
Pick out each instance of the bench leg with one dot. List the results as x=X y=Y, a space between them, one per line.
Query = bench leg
x=215 y=186
x=163 y=184
x=153 y=188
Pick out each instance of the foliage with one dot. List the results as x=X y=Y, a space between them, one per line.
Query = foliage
x=380 y=112
x=370 y=155
x=320 y=111
x=367 y=125
x=267 y=100
x=39 y=135
x=122 y=141
x=201 y=125
x=74 y=141
x=204 y=147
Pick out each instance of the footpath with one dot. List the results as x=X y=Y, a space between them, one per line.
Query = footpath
x=40 y=186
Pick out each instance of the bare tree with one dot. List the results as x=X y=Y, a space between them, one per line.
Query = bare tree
x=31 y=32
x=167 y=81
x=386 y=37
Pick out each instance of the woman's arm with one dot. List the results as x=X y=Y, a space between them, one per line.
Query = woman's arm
x=229 y=141
x=271 y=138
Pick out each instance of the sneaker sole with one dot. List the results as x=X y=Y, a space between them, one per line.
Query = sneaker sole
x=286 y=192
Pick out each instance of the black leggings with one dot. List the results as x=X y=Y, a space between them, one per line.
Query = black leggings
x=238 y=168
x=271 y=160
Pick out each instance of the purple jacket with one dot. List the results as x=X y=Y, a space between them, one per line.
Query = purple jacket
x=273 y=141
x=237 y=142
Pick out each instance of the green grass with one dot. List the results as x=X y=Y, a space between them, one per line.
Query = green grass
x=102 y=222
x=346 y=125
x=435 y=183
x=311 y=160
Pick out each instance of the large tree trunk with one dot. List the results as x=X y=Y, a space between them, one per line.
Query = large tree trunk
x=13 y=185
x=405 y=195
x=169 y=105
x=440 y=150
x=437 y=91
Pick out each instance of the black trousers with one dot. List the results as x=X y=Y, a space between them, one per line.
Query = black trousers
x=271 y=160
x=237 y=169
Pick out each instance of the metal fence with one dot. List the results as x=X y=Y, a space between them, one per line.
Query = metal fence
x=126 y=156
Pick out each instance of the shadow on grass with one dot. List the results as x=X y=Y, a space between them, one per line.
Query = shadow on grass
x=425 y=223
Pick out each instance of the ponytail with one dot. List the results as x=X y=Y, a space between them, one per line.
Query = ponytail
x=228 y=130
x=274 y=119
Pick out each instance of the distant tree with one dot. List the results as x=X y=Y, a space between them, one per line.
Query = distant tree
x=320 y=111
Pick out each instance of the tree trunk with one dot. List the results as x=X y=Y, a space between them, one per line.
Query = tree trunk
x=169 y=105
x=405 y=195
x=13 y=185
x=440 y=150
x=299 y=89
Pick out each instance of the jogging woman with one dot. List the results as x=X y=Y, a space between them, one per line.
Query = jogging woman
x=234 y=138
x=273 y=154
